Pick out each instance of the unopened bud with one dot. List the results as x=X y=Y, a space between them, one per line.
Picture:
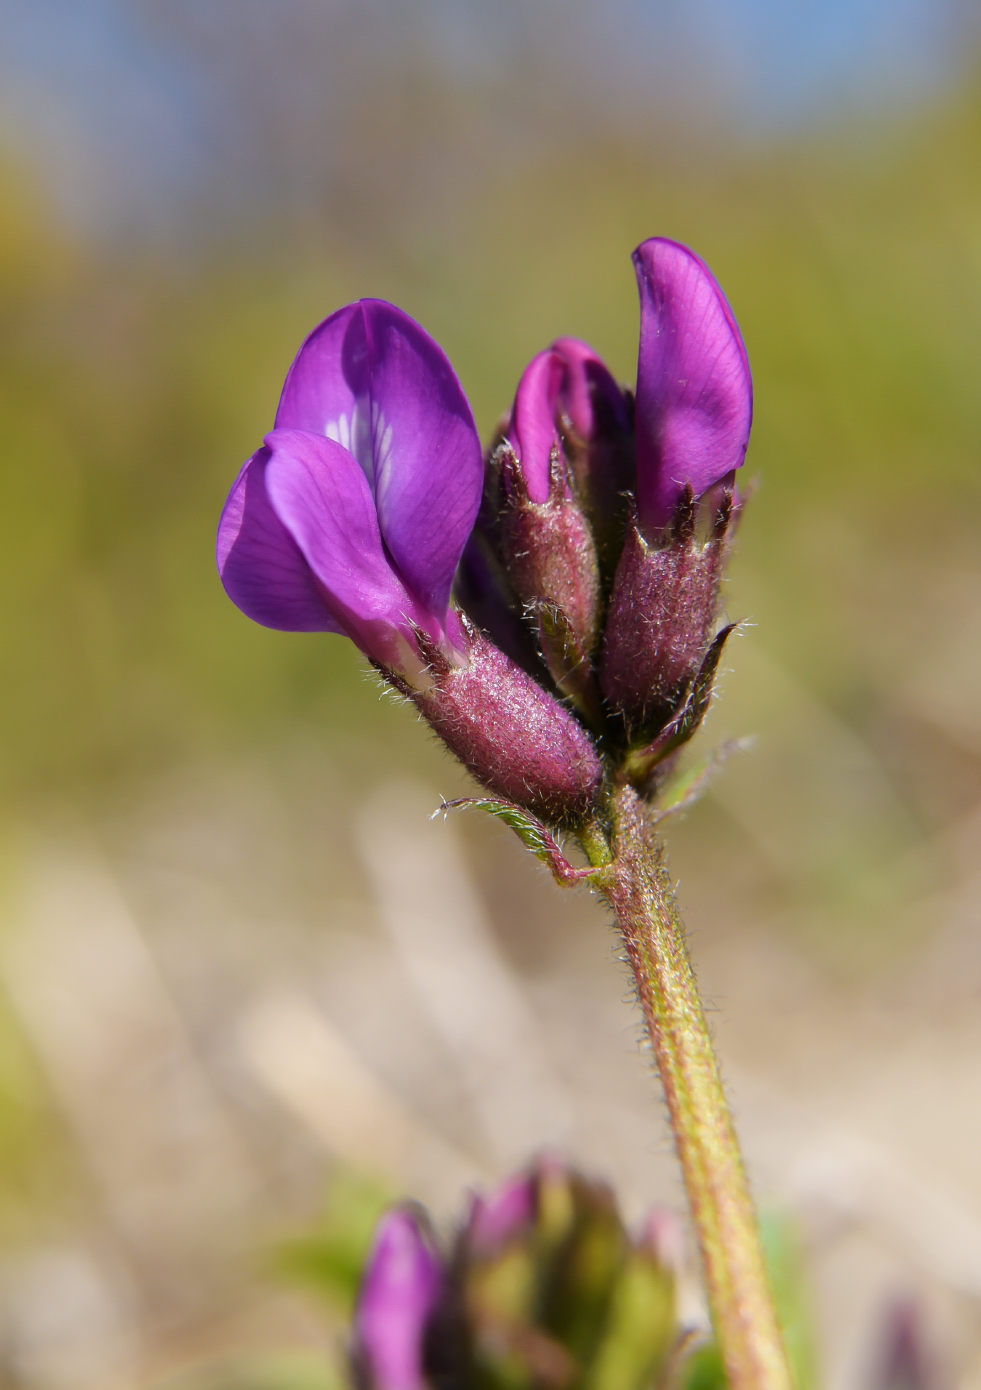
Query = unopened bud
x=544 y=1288
x=595 y=420
x=662 y=1236
x=399 y=1292
x=571 y=440
x=506 y=1214
x=549 y=548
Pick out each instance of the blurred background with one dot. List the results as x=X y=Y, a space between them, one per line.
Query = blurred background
x=247 y=988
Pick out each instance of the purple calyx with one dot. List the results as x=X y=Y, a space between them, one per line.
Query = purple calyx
x=353 y=516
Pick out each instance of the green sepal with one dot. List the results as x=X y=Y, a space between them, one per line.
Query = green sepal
x=583 y=1266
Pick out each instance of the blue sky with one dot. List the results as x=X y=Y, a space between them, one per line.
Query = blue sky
x=131 y=106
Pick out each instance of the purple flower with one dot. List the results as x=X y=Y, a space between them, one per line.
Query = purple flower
x=553 y=480
x=352 y=519
x=353 y=516
x=506 y=1213
x=694 y=403
x=693 y=414
x=401 y=1287
x=694 y=388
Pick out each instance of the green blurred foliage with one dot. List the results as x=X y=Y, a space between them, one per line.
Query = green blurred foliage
x=785 y=1262
x=330 y=1258
x=132 y=390
x=283 y=1371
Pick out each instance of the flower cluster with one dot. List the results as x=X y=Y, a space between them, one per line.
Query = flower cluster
x=543 y=1287
x=550 y=610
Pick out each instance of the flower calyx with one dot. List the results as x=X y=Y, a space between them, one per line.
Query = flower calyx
x=514 y=736
x=661 y=620
x=549 y=553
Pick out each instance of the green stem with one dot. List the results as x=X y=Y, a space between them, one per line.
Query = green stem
x=636 y=885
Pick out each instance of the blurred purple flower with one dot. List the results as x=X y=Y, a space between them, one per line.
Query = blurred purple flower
x=694 y=387
x=353 y=515
x=506 y=1213
x=401 y=1287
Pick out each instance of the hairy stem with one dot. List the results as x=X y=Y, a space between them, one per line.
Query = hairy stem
x=636 y=885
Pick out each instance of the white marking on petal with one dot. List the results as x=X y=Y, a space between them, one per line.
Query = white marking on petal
x=360 y=444
x=353 y=433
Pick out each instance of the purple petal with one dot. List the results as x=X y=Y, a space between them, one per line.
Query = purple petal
x=322 y=498
x=401 y=1287
x=585 y=380
x=428 y=464
x=261 y=566
x=506 y=1213
x=532 y=428
x=326 y=389
x=373 y=380
x=694 y=388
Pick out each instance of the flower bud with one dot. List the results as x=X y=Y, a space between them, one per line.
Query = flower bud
x=507 y=730
x=904 y=1360
x=555 y=1292
x=549 y=549
x=595 y=421
x=400 y=1289
x=662 y=1236
x=661 y=618
x=503 y=1216
x=571 y=431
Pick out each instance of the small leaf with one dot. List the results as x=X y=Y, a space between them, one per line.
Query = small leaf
x=530 y=831
x=331 y=1258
